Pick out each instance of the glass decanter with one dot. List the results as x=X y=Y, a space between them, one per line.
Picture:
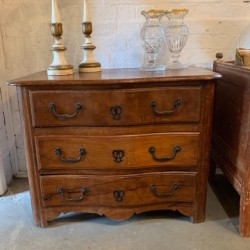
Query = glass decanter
x=153 y=36
x=176 y=35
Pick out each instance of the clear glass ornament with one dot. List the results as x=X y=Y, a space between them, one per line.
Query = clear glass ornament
x=176 y=36
x=153 y=36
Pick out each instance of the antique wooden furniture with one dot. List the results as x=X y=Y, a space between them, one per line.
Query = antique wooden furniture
x=231 y=136
x=118 y=142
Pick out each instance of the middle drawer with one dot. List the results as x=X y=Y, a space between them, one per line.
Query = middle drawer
x=117 y=152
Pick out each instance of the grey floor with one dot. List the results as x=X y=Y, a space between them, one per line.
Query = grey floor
x=150 y=231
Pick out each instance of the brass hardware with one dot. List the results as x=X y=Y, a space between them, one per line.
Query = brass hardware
x=59 y=67
x=119 y=195
x=56 y=29
x=58 y=152
x=116 y=112
x=219 y=56
x=83 y=191
x=87 y=28
x=176 y=150
x=62 y=191
x=177 y=103
x=52 y=107
x=118 y=155
x=175 y=187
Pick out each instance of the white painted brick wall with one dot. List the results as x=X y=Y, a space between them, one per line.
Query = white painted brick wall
x=214 y=26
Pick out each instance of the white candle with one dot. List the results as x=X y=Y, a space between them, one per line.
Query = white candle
x=55 y=13
x=85 y=12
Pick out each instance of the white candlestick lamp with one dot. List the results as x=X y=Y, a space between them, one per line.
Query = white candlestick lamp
x=88 y=64
x=59 y=66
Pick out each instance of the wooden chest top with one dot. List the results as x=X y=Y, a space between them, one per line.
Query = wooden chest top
x=113 y=76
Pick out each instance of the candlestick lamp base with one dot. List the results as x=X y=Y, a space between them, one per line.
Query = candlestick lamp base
x=89 y=67
x=60 y=70
x=89 y=63
x=59 y=66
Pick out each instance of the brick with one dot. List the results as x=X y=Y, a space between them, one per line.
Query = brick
x=25 y=29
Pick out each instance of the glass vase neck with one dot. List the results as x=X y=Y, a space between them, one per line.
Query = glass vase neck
x=176 y=15
x=153 y=15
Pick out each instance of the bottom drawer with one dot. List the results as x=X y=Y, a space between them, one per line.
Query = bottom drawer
x=117 y=191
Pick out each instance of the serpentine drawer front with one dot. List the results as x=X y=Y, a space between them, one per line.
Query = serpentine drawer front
x=115 y=107
x=117 y=191
x=119 y=142
x=118 y=152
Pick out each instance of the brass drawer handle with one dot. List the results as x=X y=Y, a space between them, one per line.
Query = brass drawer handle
x=176 y=150
x=116 y=112
x=177 y=103
x=118 y=155
x=174 y=188
x=82 y=152
x=77 y=106
x=83 y=192
x=62 y=191
x=119 y=195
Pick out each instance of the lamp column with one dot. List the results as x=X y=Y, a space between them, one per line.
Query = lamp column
x=89 y=63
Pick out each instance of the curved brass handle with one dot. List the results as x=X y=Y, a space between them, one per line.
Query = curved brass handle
x=176 y=149
x=83 y=192
x=116 y=112
x=58 y=152
x=52 y=107
x=177 y=103
x=62 y=191
x=175 y=186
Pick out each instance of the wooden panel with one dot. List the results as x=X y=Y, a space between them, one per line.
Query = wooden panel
x=99 y=151
x=135 y=190
x=132 y=106
x=231 y=124
x=231 y=133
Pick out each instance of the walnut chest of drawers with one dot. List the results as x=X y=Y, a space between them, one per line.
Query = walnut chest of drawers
x=119 y=142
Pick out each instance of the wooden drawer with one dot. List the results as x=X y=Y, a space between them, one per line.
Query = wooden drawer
x=115 y=107
x=117 y=191
x=117 y=152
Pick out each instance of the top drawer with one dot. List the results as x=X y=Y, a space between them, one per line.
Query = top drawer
x=115 y=107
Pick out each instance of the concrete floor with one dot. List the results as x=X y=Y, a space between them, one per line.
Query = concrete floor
x=163 y=230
